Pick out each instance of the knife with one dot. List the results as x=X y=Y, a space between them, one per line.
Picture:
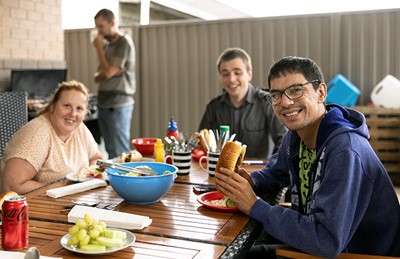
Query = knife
x=213 y=143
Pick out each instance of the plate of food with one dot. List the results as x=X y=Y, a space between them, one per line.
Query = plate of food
x=88 y=173
x=93 y=249
x=217 y=201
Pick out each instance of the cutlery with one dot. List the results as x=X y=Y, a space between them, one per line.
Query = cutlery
x=213 y=144
x=205 y=140
x=175 y=141
x=191 y=142
x=32 y=253
x=232 y=137
x=87 y=204
x=168 y=140
x=220 y=142
x=216 y=135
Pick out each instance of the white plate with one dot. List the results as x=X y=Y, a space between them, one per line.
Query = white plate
x=130 y=239
x=72 y=177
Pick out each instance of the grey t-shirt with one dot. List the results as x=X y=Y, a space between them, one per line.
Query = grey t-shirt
x=118 y=91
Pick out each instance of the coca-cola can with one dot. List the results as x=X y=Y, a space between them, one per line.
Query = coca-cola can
x=15 y=223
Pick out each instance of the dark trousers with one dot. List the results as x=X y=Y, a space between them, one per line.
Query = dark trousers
x=264 y=247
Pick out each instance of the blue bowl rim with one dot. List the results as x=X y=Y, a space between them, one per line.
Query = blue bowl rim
x=141 y=163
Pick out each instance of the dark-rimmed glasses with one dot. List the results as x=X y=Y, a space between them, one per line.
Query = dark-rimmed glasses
x=292 y=92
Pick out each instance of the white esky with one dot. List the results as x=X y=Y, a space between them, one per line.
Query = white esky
x=77 y=14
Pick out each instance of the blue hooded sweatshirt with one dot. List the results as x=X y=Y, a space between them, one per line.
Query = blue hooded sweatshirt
x=351 y=205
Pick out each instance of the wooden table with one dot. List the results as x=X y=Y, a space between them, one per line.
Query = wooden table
x=181 y=227
x=47 y=235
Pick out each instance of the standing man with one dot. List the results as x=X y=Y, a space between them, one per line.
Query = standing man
x=243 y=107
x=342 y=197
x=117 y=83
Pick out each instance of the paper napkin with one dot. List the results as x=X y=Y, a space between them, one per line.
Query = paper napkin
x=75 y=188
x=19 y=255
x=113 y=219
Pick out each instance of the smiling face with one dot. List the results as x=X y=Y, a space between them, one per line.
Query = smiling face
x=235 y=79
x=304 y=114
x=68 y=112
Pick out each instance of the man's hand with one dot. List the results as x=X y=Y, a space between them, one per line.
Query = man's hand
x=237 y=188
x=98 y=76
x=243 y=173
x=99 y=41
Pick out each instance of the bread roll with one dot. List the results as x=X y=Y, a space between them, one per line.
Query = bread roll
x=206 y=135
x=5 y=195
x=231 y=156
x=132 y=156
x=136 y=156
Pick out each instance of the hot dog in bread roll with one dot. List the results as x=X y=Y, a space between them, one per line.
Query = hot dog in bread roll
x=132 y=156
x=231 y=156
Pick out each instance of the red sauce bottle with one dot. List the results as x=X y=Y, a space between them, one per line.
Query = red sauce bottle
x=172 y=129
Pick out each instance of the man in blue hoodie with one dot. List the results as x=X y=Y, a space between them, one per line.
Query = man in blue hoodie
x=342 y=197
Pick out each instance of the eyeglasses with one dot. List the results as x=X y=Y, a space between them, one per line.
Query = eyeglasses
x=293 y=92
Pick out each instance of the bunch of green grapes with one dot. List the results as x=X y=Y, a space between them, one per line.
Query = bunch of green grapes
x=92 y=235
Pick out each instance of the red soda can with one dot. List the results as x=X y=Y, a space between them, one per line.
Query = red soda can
x=15 y=223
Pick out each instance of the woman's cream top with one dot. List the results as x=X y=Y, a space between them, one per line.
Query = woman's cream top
x=38 y=143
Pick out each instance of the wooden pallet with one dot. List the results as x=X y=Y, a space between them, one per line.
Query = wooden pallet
x=384 y=129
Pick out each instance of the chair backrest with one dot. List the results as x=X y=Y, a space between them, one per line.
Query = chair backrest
x=13 y=115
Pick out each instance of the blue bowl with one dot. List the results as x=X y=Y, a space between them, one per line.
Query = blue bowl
x=142 y=189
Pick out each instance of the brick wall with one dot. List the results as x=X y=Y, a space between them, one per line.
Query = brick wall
x=31 y=36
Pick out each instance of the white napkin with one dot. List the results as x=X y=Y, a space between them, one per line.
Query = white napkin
x=19 y=255
x=113 y=219
x=75 y=188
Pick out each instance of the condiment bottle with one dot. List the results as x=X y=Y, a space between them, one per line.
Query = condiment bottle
x=223 y=129
x=159 y=151
x=172 y=130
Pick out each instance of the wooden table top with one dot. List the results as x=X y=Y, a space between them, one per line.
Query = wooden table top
x=181 y=227
x=177 y=214
x=46 y=236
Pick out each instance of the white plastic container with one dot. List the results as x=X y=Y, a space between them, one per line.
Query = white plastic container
x=387 y=92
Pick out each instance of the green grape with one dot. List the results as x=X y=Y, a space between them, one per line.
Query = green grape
x=81 y=234
x=94 y=233
x=85 y=240
x=88 y=219
x=87 y=231
x=103 y=225
x=74 y=240
x=73 y=230
x=98 y=228
x=70 y=242
x=81 y=223
x=95 y=222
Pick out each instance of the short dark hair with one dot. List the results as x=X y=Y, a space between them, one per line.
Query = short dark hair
x=296 y=65
x=107 y=14
x=232 y=53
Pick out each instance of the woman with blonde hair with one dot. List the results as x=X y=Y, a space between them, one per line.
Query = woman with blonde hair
x=52 y=145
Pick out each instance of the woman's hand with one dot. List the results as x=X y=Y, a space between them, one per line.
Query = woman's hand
x=237 y=187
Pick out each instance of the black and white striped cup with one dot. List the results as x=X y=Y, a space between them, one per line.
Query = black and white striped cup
x=182 y=160
x=211 y=159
